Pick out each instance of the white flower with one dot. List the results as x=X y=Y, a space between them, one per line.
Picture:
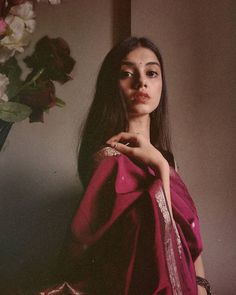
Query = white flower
x=22 y=24
x=17 y=26
x=53 y=2
x=24 y=10
x=20 y=35
x=26 y=13
x=4 y=81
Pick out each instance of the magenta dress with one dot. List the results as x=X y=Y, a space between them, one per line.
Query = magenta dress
x=123 y=241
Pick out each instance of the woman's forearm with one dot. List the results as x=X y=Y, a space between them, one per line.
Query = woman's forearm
x=199 y=267
x=200 y=272
x=164 y=170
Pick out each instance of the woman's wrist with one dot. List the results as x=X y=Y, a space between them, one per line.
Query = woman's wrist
x=202 y=282
x=161 y=164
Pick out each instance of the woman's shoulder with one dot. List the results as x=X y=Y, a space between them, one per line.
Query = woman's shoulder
x=105 y=152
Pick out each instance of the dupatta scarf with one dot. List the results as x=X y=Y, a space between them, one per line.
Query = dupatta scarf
x=123 y=241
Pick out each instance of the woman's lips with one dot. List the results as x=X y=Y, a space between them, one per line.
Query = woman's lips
x=140 y=97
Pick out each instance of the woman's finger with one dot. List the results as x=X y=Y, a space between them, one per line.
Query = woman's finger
x=123 y=137
x=119 y=136
x=123 y=148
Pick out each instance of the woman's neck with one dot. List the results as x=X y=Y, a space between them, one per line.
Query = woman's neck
x=140 y=125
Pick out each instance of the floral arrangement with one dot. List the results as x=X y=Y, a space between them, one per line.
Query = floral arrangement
x=50 y=61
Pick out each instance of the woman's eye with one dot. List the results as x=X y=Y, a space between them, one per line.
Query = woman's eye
x=125 y=74
x=152 y=74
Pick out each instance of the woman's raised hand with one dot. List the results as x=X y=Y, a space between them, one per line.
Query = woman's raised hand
x=136 y=146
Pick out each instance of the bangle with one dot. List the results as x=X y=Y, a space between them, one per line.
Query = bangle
x=204 y=283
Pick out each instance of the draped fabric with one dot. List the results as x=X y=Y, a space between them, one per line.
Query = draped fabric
x=123 y=240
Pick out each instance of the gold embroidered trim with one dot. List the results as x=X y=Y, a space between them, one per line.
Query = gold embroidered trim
x=105 y=152
x=64 y=287
x=170 y=256
x=178 y=240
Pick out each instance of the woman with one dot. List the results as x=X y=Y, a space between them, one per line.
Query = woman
x=136 y=230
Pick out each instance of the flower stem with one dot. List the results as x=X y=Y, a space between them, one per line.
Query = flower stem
x=33 y=80
x=30 y=82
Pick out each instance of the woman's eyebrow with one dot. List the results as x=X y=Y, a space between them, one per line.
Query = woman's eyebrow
x=130 y=63
x=153 y=63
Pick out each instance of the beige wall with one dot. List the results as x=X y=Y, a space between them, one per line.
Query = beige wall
x=197 y=40
x=38 y=181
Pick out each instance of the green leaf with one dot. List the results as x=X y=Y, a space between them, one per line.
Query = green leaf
x=12 y=70
x=14 y=112
x=60 y=103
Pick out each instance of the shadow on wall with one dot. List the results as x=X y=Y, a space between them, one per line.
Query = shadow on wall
x=32 y=236
x=121 y=15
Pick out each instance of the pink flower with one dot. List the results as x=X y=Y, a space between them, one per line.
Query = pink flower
x=3 y=26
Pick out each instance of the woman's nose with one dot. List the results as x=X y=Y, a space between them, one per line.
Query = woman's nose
x=140 y=82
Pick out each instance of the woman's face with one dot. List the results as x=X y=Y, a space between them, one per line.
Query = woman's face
x=140 y=81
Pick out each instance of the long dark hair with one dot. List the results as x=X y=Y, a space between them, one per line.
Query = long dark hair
x=108 y=115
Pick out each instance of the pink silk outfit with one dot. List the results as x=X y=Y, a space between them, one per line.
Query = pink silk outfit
x=123 y=240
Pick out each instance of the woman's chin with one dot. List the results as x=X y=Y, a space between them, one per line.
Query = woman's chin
x=140 y=110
